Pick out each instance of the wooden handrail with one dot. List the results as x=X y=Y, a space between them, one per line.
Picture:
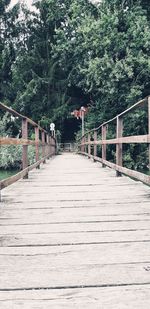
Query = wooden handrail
x=48 y=144
x=140 y=103
x=85 y=142
x=16 y=114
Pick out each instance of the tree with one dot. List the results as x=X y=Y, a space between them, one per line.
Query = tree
x=70 y=53
x=8 y=37
x=109 y=50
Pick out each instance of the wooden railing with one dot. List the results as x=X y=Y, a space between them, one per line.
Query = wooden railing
x=42 y=138
x=90 y=140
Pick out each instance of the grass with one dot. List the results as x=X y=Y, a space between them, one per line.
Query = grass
x=7 y=173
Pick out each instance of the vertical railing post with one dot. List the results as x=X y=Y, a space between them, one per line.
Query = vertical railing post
x=54 y=146
x=0 y=193
x=149 y=129
x=81 y=147
x=119 y=133
x=25 y=147
x=89 y=145
x=82 y=144
x=43 y=146
x=95 y=145
x=37 y=145
x=47 y=145
x=54 y=149
x=50 y=146
x=85 y=145
x=104 y=134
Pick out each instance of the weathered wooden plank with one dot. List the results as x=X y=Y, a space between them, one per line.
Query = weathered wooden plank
x=37 y=276
x=108 y=211
x=74 y=227
x=85 y=254
x=97 y=237
x=76 y=188
x=78 y=214
x=125 y=297
x=72 y=198
x=69 y=219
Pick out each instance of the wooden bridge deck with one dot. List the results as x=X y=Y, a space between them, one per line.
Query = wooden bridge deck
x=74 y=235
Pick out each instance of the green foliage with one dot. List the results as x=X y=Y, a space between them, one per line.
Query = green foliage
x=11 y=156
x=70 y=53
x=136 y=157
x=110 y=56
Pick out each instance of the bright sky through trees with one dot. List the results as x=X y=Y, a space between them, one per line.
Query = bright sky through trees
x=28 y=2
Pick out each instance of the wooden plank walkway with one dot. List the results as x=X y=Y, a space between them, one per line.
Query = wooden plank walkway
x=74 y=235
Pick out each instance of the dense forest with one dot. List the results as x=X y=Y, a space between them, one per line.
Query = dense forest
x=70 y=53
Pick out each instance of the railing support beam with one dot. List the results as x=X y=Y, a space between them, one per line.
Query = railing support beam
x=25 y=147
x=89 y=146
x=51 y=146
x=119 y=134
x=95 y=146
x=37 y=145
x=43 y=146
x=149 y=129
x=47 y=145
x=104 y=133
x=82 y=146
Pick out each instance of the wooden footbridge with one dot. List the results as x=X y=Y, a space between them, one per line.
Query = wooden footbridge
x=72 y=234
